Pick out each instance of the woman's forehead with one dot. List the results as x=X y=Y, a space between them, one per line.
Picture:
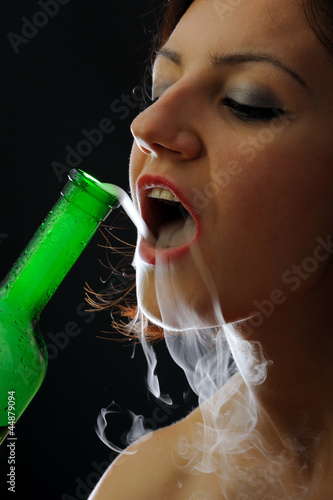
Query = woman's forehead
x=247 y=21
x=276 y=27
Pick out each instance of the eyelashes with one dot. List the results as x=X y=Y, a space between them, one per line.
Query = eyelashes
x=252 y=113
x=244 y=112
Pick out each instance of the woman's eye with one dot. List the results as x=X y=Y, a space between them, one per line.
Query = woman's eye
x=252 y=113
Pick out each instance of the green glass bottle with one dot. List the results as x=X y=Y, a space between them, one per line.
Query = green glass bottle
x=35 y=276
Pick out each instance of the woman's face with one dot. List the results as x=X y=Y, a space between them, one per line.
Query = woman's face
x=241 y=132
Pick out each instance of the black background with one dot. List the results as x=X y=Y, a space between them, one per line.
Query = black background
x=64 y=80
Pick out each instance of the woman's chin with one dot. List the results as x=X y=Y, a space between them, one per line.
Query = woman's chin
x=177 y=307
x=175 y=319
x=153 y=314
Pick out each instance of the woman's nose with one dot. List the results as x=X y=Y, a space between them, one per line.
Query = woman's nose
x=167 y=127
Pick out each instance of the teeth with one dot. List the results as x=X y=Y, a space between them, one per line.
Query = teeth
x=162 y=194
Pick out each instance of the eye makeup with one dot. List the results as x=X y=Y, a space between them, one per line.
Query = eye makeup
x=254 y=96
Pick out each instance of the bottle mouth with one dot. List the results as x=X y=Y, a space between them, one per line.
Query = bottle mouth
x=87 y=193
x=94 y=187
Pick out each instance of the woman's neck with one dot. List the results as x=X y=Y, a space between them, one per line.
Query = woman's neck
x=296 y=397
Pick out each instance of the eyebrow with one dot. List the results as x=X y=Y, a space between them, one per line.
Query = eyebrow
x=222 y=60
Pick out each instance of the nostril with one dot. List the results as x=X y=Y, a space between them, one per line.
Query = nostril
x=188 y=144
x=145 y=151
x=143 y=146
x=162 y=131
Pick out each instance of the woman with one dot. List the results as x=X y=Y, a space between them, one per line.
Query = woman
x=239 y=132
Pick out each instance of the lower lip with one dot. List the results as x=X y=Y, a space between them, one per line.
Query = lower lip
x=149 y=254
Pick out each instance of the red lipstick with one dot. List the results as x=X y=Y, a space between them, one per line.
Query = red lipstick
x=155 y=215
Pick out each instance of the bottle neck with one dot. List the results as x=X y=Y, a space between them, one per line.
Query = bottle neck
x=56 y=245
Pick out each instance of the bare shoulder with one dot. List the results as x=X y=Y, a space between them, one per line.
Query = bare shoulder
x=153 y=466
x=146 y=470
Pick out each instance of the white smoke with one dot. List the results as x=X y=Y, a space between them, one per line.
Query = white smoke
x=137 y=429
x=222 y=368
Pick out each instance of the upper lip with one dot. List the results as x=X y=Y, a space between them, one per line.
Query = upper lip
x=147 y=182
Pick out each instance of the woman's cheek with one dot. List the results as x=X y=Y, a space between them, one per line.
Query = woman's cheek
x=134 y=167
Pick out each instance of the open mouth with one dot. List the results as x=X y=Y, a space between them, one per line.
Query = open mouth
x=168 y=219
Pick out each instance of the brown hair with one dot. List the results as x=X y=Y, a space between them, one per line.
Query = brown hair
x=319 y=14
x=119 y=295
